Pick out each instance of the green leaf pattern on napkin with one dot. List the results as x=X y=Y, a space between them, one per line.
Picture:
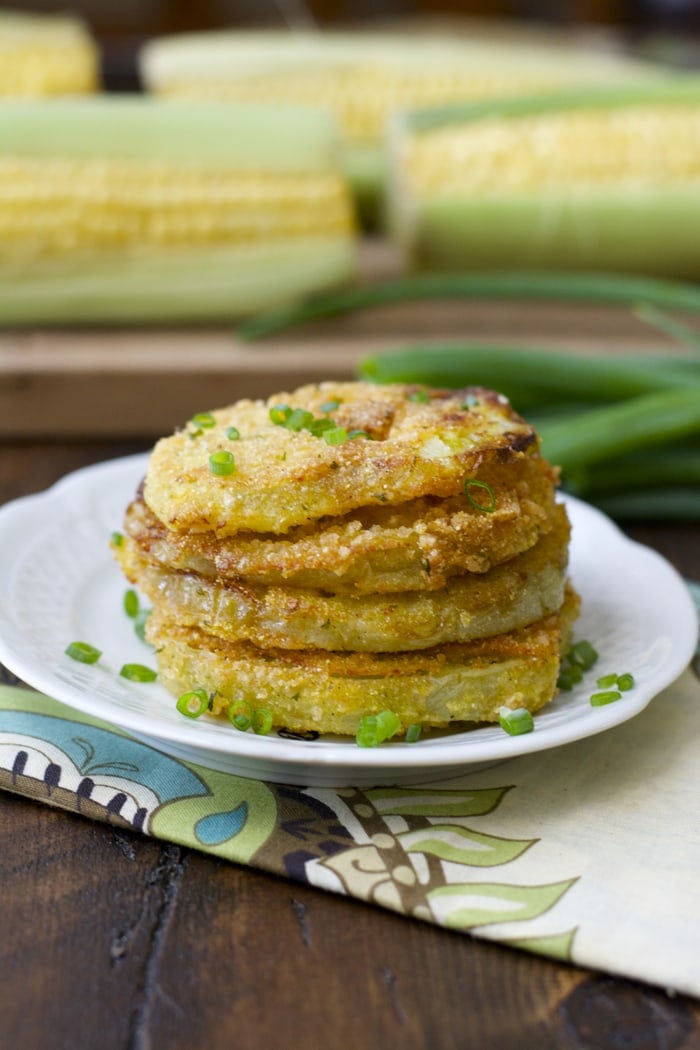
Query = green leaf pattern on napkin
x=419 y=851
x=463 y=845
x=466 y=905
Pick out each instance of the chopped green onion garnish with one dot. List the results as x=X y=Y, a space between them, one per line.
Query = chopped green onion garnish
x=621 y=681
x=583 y=654
x=367 y=734
x=131 y=603
x=262 y=721
x=140 y=623
x=317 y=427
x=336 y=436
x=374 y=729
x=470 y=401
x=472 y=483
x=138 y=673
x=195 y=433
x=233 y=433
x=388 y=724
x=298 y=419
x=240 y=715
x=516 y=722
x=413 y=733
x=117 y=539
x=222 y=463
x=193 y=704
x=608 y=697
x=279 y=414
x=83 y=652
x=419 y=395
x=204 y=420
x=570 y=676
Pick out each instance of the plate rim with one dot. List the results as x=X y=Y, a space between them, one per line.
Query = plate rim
x=444 y=753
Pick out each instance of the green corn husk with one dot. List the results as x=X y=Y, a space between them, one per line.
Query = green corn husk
x=131 y=210
x=606 y=179
x=362 y=78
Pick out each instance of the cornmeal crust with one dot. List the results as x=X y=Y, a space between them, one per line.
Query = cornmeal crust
x=416 y=545
x=284 y=478
x=417 y=563
x=510 y=596
x=330 y=692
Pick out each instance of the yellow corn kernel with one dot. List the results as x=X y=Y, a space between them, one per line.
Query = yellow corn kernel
x=364 y=79
x=66 y=205
x=362 y=98
x=632 y=146
x=603 y=179
x=131 y=209
x=44 y=55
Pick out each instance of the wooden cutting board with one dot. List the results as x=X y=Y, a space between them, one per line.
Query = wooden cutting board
x=143 y=382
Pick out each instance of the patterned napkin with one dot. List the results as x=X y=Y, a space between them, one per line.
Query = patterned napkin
x=589 y=853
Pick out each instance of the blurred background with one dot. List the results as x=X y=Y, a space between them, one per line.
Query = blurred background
x=666 y=30
x=496 y=193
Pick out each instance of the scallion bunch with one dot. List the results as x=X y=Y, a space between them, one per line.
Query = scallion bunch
x=625 y=430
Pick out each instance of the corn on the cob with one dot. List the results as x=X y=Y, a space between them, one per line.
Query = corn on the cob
x=43 y=55
x=133 y=209
x=363 y=78
x=603 y=179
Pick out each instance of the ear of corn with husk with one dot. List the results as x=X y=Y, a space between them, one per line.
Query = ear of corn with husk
x=598 y=180
x=363 y=78
x=137 y=210
x=46 y=55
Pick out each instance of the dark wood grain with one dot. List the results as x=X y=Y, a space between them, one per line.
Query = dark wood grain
x=113 y=940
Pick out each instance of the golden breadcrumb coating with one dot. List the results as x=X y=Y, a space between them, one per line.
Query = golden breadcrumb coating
x=284 y=478
x=416 y=545
x=331 y=692
x=512 y=595
x=355 y=548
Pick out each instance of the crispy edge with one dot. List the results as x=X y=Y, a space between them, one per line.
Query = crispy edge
x=331 y=692
x=472 y=606
x=415 y=546
x=284 y=478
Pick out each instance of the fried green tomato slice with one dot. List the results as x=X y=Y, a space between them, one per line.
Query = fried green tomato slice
x=330 y=692
x=416 y=545
x=381 y=444
x=512 y=595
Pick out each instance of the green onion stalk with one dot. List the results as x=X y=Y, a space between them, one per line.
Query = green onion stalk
x=608 y=289
x=624 y=430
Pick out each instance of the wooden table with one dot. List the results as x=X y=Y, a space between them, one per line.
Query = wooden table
x=116 y=941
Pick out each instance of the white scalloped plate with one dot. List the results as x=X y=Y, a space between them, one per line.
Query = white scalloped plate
x=59 y=583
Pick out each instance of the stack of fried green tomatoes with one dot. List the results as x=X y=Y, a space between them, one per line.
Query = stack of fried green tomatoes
x=347 y=550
